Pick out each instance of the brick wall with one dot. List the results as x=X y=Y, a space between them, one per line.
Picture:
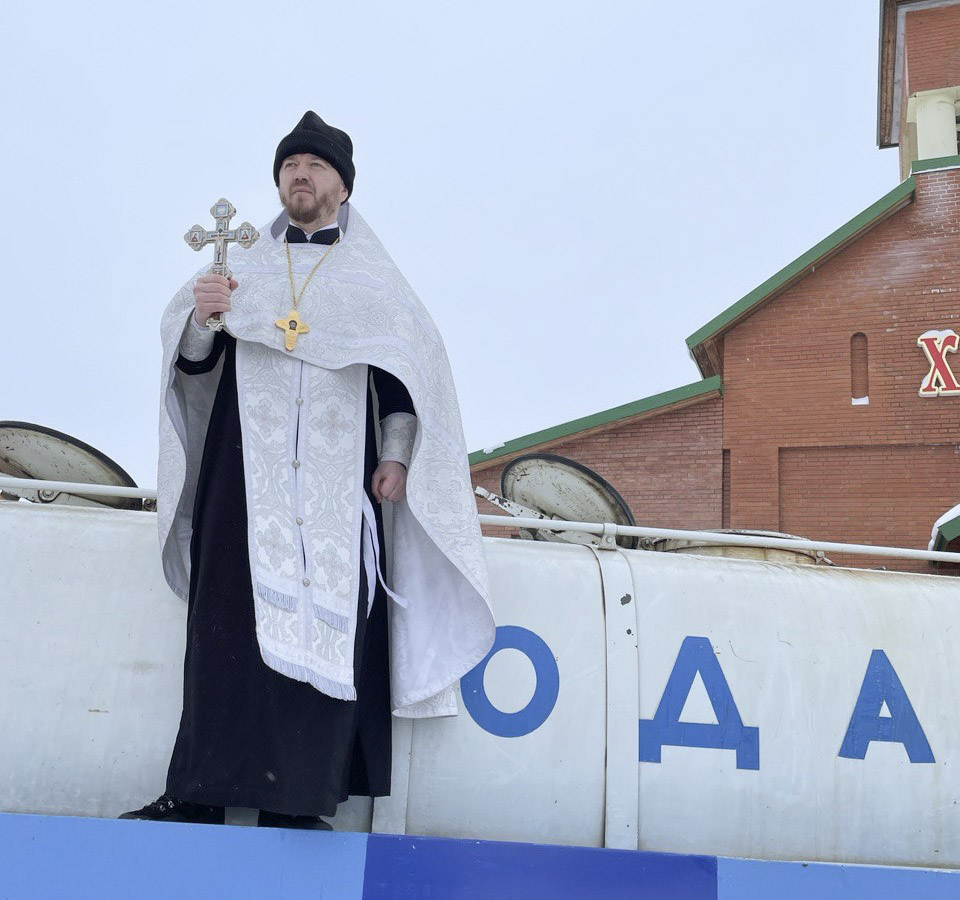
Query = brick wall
x=931 y=54
x=932 y=49
x=834 y=492
x=787 y=379
x=667 y=468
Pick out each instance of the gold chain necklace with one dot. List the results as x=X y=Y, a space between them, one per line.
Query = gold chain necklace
x=291 y=324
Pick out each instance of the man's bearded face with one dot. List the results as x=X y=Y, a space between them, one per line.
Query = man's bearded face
x=311 y=190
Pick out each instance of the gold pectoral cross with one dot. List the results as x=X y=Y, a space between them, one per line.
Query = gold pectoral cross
x=292 y=326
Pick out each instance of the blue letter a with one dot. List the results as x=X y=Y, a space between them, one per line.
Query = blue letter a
x=881 y=684
x=665 y=728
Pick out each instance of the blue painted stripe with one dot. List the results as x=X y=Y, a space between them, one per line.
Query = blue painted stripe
x=747 y=879
x=65 y=858
x=414 y=868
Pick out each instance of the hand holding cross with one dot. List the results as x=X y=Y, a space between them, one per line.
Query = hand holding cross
x=198 y=237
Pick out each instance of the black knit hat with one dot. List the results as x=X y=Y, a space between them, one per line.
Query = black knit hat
x=313 y=135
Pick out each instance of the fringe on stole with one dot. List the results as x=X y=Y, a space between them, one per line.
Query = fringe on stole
x=334 y=620
x=336 y=689
x=276 y=598
x=288 y=603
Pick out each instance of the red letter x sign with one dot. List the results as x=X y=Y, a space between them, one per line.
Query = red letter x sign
x=940 y=380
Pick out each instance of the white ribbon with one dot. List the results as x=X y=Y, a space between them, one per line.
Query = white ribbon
x=371 y=557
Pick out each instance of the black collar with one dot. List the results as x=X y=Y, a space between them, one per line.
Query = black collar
x=297 y=235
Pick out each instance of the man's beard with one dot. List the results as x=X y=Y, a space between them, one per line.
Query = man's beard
x=307 y=208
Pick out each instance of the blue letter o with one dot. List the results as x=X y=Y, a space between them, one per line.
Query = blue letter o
x=537 y=711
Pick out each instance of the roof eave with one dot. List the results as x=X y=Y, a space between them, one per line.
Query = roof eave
x=886 y=72
x=655 y=405
x=891 y=203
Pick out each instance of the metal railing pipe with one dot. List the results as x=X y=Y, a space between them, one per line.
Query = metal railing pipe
x=76 y=487
x=708 y=537
x=712 y=537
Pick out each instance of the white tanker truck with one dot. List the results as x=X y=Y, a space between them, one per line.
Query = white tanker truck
x=633 y=699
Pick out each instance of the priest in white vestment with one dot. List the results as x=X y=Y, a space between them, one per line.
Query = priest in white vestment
x=271 y=479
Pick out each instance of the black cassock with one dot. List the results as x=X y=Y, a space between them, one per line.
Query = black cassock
x=250 y=736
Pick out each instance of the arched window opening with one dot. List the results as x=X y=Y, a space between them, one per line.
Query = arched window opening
x=859 y=383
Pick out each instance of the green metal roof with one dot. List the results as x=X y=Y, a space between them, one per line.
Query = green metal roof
x=886 y=206
x=946 y=532
x=698 y=389
x=929 y=165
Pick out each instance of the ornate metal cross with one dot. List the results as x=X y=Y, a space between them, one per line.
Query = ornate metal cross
x=198 y=237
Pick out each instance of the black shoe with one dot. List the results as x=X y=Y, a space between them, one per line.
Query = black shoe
x=169 y=809
x=268 y=819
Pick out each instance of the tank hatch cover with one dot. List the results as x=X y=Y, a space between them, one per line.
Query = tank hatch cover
x=561 y=488
x=35 y=451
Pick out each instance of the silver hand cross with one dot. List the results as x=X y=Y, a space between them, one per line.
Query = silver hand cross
x=198 y=237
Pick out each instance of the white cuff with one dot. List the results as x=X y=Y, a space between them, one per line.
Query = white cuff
x=397 y=432
x=196 y=341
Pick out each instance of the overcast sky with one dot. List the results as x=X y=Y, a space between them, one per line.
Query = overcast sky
x=571 y=190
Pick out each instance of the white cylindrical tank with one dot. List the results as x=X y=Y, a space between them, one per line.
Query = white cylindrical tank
x=634 y=699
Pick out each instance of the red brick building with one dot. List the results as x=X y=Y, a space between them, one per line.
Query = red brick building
x=828 y=405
